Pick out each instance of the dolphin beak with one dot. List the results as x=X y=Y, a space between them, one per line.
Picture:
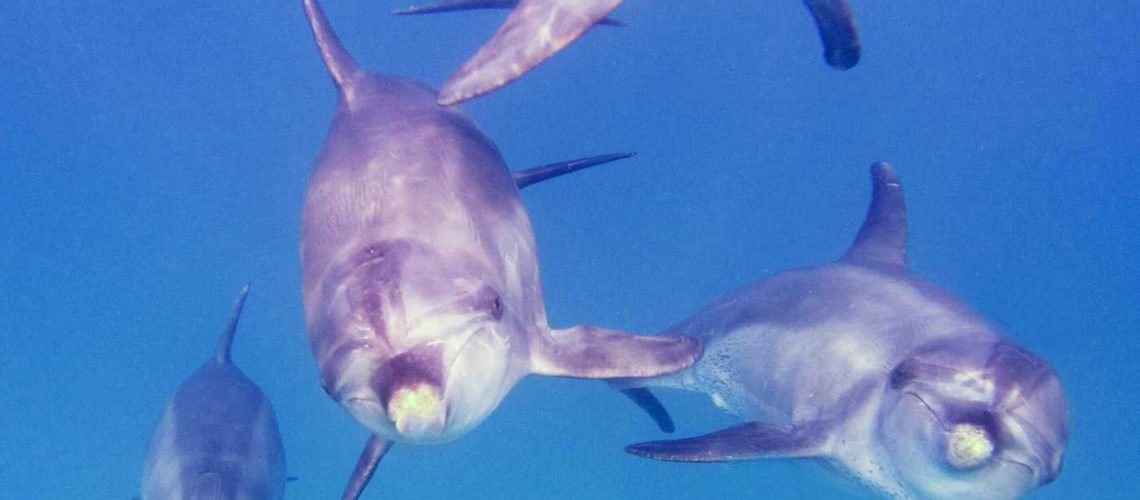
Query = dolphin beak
x=418 y=411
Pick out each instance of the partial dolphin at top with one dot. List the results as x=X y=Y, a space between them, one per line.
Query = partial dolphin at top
x=217 y=437
x=537 y=29
x=863 y=365
x=420 y=278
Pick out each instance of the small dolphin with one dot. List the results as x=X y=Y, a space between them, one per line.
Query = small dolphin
x=864 y=365
x=537 y=29
x=217 y=437
x=421 y=286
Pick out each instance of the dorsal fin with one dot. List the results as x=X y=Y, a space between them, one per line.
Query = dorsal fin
x=342 y=67
x=882 y=239
x=227 y=340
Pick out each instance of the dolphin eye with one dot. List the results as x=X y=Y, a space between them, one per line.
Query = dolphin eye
x=497 y=307
x=489 y=300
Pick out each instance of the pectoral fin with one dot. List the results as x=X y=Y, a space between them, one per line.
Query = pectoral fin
x=524 y=178
x=592 y=352
x=534 y=31
x=461 y=5
x=370 y=457
x=645 y=400
x=750 y=441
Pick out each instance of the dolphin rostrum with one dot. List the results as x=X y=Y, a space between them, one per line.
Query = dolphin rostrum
x=217 y=437
x=537 y=29
x=421 y=286
x=866 y=366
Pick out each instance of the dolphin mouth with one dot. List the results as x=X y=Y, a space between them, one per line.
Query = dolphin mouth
x=1035 y=477
x=358 y=399
x=937 y=417
x=450 y=373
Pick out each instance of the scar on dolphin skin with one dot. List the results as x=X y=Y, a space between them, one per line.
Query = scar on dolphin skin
x=537 y=29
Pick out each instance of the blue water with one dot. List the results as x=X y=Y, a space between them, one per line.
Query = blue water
x=154 y=155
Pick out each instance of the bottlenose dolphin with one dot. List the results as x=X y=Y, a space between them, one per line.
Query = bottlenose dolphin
x=421 y=288
x=217 y=437
x=866 y=366
x=537 y=29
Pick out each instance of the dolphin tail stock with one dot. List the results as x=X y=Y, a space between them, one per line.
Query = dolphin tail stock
x=341 y=66
x=222 y=356
x=882 y=238
x=374 y=451
x=524 y=178
x=534 y=31
x=750 y=441
x=836 y=25
x=600 y=353
x=461 y=5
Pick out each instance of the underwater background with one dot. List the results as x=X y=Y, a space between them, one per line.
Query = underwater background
x=154 y=155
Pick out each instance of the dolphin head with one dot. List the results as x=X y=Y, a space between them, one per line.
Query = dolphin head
x=974 y=420
x=419 y=345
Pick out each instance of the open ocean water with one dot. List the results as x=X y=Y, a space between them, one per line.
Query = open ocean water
x=154 y=155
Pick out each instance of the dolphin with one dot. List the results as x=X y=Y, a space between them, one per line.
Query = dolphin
x=537 y=29
x=863 y=365
x=420 y=282
x=217 y=437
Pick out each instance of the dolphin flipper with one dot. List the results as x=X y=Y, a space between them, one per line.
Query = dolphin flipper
x=524 y=178
x=744 y=442
x=534 y=31
x=882 y=239
x=592 y=352
x=457 y=5
x=370 y=457
x=645 y=400
x=461 y=5
x=837 y=30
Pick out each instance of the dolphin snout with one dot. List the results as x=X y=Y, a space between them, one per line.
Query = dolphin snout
x=418 y=411
x=411 y=388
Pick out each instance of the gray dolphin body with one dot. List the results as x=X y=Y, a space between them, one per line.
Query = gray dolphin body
x=537 y=29
x=217 y=437
x=864 y=365
x=421 y=287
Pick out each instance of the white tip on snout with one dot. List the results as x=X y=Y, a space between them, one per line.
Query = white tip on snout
x=968 y=446
x=418 y=411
